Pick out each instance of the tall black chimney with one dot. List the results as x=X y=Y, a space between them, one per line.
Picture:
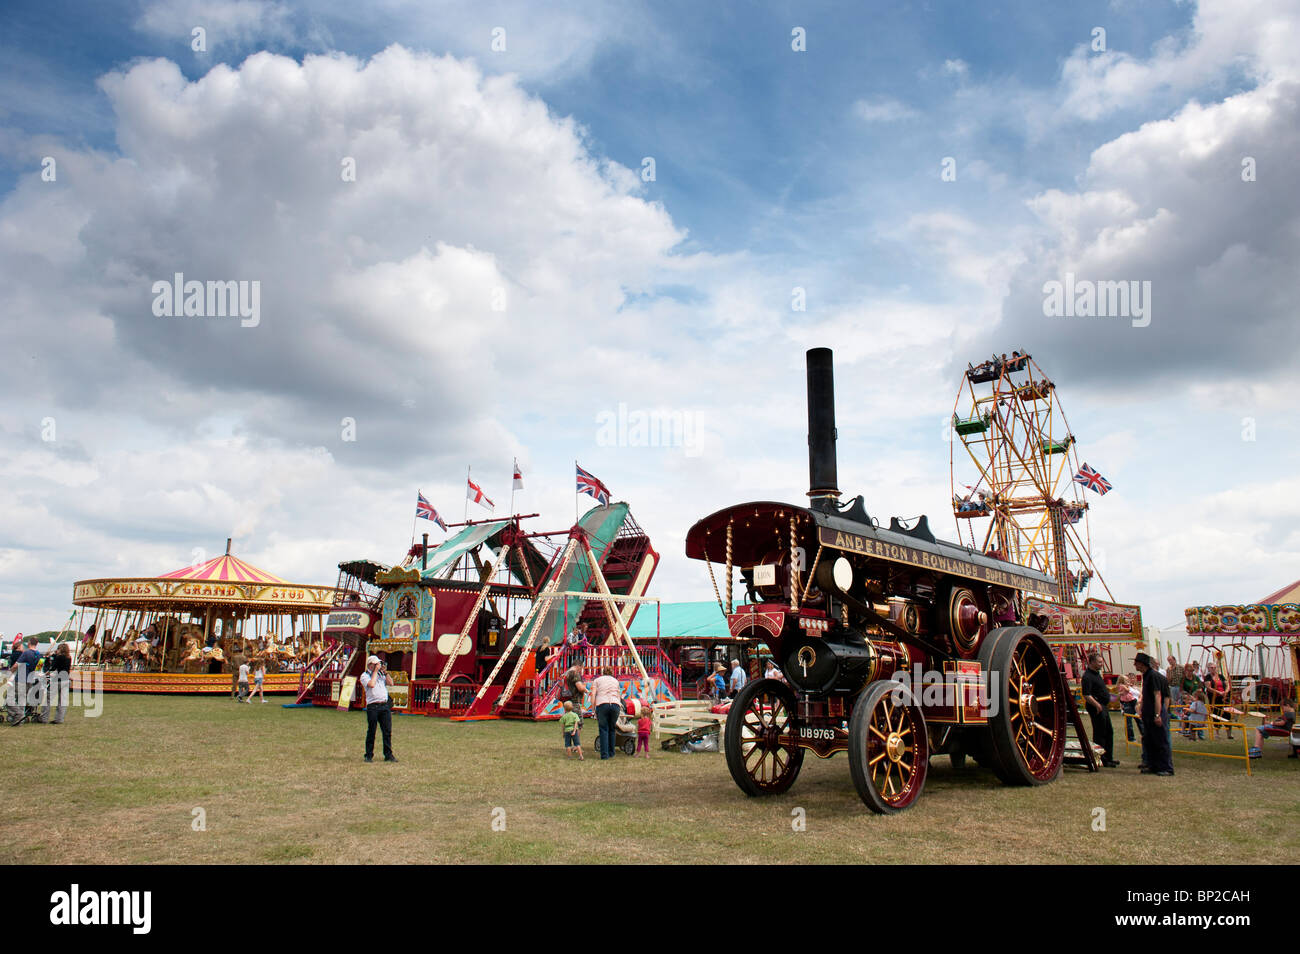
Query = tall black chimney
x=823 y=484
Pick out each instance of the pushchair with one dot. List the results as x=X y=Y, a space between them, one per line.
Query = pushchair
x=33 y=698
x=625 y=733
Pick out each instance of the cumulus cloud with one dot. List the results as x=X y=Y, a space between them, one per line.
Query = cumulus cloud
x=1197 y=205
x=1259 y=38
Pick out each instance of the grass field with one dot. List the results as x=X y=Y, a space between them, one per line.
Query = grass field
x=289 y=785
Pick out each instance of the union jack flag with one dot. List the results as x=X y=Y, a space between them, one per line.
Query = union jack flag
x=475 y=493
x=589 y=484
x=425 y=509
x=1092 y=480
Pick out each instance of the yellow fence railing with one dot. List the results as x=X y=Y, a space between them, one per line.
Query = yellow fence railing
x=1214 y=724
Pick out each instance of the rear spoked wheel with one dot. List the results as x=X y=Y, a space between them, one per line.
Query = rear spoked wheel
x=1027 y=732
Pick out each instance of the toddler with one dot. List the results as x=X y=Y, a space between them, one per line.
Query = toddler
x=569 y=724
x=643 y=727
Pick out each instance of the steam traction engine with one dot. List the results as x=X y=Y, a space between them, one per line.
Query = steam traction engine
x=895 y=646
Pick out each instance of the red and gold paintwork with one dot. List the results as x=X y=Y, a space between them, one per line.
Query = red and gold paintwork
x=175 y=683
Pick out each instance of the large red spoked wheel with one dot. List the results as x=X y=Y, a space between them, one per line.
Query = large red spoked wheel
x=760 y=725
x=889 y=751
x=1027 y=731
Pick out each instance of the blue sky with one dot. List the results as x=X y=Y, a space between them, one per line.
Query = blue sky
x=520 y=170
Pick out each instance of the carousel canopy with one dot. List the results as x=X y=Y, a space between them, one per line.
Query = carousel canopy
x=224 y=569
x=1277 y=614
x=225 y=583
x=1288 y=594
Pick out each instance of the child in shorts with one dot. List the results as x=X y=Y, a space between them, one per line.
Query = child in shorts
x=570 y=725
x=259 y=678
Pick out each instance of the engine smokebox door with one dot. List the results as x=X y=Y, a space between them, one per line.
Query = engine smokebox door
x=811 y=664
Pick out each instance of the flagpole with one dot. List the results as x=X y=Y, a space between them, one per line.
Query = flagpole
x=513 y=471
x=416 y=519
x=467 y=481
x=575 y=491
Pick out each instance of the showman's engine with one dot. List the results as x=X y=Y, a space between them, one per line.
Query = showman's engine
x=894 y=646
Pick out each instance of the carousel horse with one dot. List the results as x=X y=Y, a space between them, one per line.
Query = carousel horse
x=191 y=660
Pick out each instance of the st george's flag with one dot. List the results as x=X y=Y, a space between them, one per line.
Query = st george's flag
x=475 y=493
x=425 y=509
x=519 y=476
x=1092 y=480
x=589 y=484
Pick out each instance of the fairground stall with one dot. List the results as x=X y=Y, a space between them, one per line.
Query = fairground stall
x=1256 y=646
x=180 y=632
x=486 y=623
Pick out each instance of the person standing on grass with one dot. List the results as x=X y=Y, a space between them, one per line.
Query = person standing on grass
x=25 y=685
x=259 y=676
x=643 y=727
x=573 y=689
x=1155 y=717
x=607 y=697
x=379 y=710
x=242 y=682
x=59 y=673
x=569 y=725
x=1096 y=696
x=237 y=661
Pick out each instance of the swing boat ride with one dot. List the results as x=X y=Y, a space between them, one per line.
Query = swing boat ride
x=439 y=619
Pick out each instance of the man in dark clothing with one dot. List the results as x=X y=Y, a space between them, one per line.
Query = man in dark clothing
x=1096 y=696
x=25 y=687
x=1155 y=717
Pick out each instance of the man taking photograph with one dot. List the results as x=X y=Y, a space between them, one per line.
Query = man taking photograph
x=379 y=711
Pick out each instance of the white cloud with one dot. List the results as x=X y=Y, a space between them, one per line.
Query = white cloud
x=1260 y=37
x=882 y=109
x=226 y=22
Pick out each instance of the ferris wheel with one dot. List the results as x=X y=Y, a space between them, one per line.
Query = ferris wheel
x=1013 y=464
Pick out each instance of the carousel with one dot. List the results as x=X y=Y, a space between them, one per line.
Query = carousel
x=1256 y=643
x=187 y=631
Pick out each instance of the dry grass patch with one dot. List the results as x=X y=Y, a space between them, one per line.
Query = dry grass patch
x=288 y=785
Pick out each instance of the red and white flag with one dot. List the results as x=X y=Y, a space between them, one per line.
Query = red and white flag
x=519 y=476
x=475 y=493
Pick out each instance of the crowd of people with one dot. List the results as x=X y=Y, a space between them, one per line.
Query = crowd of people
x=1201 y=701
x=37 y=686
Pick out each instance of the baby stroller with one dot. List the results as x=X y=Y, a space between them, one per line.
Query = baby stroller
x=625 y=733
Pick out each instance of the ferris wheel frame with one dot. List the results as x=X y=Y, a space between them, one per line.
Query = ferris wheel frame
x=1025 y=457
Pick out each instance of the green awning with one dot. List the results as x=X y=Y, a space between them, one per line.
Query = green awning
x=457 y=545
